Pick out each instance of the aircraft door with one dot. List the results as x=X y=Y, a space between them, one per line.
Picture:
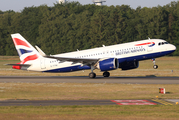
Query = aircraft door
x=149 y=49
x=106 y=53
x=42 y=63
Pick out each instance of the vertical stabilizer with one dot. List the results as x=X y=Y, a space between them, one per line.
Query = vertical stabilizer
x=25 y=50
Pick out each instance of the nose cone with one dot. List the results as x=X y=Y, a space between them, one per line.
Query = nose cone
x=174 y=47
x=171 y=47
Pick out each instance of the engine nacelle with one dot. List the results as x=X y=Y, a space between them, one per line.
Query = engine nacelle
x=108 y=64
x=129 y=65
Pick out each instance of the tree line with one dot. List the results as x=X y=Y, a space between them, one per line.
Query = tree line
x=71 y=26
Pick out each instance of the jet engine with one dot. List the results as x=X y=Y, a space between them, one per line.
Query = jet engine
x=129 y=65
x=108 y=64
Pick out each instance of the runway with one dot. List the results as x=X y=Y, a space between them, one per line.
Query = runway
x=85 y=79
x=84 y=102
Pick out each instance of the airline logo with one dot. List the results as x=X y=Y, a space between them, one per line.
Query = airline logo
x=24 y=50
x=151 y=44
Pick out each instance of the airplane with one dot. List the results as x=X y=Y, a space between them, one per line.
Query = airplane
x=125 y=56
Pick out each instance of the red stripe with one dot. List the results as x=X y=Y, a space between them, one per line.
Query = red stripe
x=20 y=42
x=145 y=44
x=32 y=57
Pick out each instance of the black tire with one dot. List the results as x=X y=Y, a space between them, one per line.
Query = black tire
x=155 y=66
x=92 y=75
x=106 y=74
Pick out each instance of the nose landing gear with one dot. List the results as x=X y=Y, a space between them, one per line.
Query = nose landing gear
x=155 y=66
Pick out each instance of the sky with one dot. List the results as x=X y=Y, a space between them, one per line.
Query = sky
x=18 y=5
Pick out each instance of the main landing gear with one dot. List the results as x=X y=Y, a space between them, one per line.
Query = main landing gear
x=106 y=74
x=93 y=75
x=155 y=66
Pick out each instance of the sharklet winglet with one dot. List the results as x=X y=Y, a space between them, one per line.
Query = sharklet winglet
x=40 y=51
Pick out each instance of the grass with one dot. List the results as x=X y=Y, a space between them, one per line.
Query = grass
x=166 y=66
x=85 y=91
x=91 y=112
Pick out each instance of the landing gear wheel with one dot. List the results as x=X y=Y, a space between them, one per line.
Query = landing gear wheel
x=92 y=75
x=155 y=66
x=106 y=74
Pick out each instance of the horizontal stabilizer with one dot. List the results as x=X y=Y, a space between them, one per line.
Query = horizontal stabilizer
x=25 y=65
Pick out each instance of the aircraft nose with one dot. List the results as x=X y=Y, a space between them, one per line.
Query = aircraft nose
x=171 y=47
x=174 y=47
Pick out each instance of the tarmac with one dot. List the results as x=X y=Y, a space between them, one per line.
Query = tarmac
x=84 y=102
x=84 y=79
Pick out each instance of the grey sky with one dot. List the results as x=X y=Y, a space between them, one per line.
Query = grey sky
x=18 y=5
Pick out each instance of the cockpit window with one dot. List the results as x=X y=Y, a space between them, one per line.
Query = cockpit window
x=162 y=43
x=166 y=42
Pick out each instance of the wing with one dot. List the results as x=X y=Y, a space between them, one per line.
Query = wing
x=87 y=61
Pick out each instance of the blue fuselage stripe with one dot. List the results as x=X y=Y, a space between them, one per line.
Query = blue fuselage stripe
x=121 y=60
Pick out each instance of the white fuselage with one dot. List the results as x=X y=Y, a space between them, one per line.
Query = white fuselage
x=139 y=50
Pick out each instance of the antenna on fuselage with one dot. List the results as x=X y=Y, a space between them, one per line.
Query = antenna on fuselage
x=148 y=38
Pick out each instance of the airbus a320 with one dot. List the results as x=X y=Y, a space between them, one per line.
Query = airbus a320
x=125 y=56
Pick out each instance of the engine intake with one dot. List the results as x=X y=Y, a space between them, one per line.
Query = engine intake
x=108 y=64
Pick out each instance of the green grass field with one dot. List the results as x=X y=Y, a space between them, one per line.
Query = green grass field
x=85 y=91
x=89 y=91
x=90 y=113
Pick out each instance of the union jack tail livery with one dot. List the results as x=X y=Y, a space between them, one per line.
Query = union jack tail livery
x=25 y=50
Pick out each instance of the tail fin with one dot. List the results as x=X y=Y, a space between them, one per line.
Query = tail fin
x=25 y=50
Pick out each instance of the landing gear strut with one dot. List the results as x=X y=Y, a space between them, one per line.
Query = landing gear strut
x=155 y=66
x=92 y=74
x=106 y=74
